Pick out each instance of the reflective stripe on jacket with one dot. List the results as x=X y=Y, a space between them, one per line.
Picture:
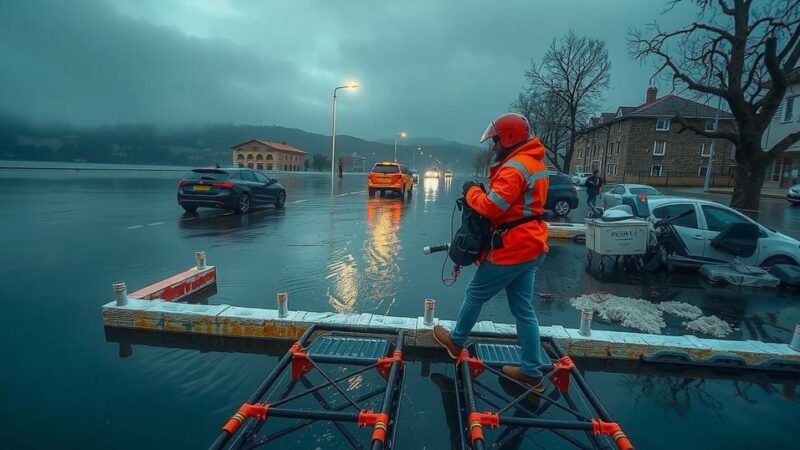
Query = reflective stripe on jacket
x=517 y=189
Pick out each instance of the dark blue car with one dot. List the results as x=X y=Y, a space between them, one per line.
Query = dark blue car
x=238 y=189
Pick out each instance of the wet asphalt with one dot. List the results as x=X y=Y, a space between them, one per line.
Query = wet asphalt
x=68 y=235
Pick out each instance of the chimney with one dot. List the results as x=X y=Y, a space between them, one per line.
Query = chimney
x=652 y=94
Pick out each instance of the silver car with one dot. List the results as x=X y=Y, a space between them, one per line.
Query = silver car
x=612 y=193
x=698 y=230
x=579 y=178
x=793 y=195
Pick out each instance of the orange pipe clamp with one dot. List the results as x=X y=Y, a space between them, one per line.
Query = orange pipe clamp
x=475 y=364
x=379 y=420
x=246 y=411
x=301 y=363
x=476 y=420
x=385 y=364
x=613 y=430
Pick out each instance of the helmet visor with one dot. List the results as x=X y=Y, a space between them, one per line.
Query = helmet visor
x=489 y=133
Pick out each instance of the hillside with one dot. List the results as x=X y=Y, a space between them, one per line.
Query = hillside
x=195 y=145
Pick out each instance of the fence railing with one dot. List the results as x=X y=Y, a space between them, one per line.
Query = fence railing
x=677 y=179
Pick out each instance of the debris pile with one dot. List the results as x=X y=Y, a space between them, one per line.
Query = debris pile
x=681 y=309
x=711 y=325
x=630 y=312
x=647 y=316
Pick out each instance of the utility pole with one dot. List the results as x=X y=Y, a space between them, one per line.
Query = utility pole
x=707 y=182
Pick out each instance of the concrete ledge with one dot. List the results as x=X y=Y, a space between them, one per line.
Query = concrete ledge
x=258 y=323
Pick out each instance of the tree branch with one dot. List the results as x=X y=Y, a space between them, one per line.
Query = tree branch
x=685 y=125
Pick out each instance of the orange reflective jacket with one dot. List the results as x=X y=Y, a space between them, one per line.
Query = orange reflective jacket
x=517 y=189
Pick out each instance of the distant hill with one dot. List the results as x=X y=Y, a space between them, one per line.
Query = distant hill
x=197 y=145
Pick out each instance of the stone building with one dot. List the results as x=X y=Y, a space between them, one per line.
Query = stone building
x=265 y=155
x=644 y=144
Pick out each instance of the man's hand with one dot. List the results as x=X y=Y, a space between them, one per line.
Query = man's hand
x=467 y=186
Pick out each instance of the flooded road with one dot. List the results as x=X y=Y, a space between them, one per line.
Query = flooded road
x=68 y=235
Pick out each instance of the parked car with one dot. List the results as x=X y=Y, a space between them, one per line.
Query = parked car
x=579 y=178
x=698 y=231
x=612 y=193
x=415 y=175
x=432 y=173
x=448 y=174
x=390 y=176
x=793 y=195
x=562 y=196
x=238 y=189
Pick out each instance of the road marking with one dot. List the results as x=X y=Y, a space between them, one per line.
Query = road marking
x=297 y=201
x=155 y=223
x=358 y=192
x=134 y=227
x=342 y=195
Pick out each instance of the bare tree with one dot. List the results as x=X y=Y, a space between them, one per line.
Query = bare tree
x=482 y=161
x=575 y=70
x=548 y=116
x=744 y=54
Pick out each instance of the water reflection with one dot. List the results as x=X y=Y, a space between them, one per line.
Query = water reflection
x=381 y=249
x=448 y=183
x=430 y=187
x=233 y=226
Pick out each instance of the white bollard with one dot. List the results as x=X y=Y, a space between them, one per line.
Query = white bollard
x=430 y=306
x=586 y=322
x=120 y=293
x=795 y=345
x=200 y=258
x=283 y=305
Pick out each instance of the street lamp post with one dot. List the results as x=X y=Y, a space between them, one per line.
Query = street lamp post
x=402 y=134
x=333 y=130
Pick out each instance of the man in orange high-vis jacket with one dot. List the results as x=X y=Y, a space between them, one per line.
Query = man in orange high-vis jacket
x=514 y=205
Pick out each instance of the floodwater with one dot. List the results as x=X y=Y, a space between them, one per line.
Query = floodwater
x=66 y=236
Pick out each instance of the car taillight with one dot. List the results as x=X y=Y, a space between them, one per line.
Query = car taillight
x=225 y=185
x=182 y=183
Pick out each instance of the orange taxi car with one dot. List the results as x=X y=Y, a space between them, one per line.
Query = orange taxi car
x=390 y=176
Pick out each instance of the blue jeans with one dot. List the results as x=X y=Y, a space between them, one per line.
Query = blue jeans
x=518 y=282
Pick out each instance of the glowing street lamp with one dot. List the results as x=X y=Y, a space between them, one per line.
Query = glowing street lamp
x=333 y=131
x=402 y=134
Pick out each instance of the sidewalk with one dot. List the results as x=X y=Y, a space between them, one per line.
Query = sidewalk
x=765 y=192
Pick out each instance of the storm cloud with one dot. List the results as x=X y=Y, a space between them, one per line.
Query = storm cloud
x=434 y=68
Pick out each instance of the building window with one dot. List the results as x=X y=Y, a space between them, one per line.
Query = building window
x=660 y=148
x=611 y=169
x=662 y=124
x=619 y=127
x=655 y=170
x=788 y=110
x=701 y=171
x=710 y=125
x=705 y=150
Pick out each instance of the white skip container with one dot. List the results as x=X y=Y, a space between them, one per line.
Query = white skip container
x=624 y=237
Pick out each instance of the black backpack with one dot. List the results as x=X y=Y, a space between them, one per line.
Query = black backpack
x=472 y=238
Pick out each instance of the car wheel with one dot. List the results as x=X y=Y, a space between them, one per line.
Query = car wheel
x=188 y=208
x=402 y=192
x=411 y=190
x=243 y=205
x=773 y=261
x=561 y=208
x=371 y=192
x=281 y=199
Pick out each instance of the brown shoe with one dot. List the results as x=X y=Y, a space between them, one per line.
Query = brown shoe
x=516 y=373
x=442 y=336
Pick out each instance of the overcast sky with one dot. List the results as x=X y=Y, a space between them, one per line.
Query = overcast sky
x=433 y=68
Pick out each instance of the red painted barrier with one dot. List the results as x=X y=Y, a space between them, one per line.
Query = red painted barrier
x=179 y=286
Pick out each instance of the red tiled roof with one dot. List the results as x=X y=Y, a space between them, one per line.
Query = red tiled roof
x=281 y=147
